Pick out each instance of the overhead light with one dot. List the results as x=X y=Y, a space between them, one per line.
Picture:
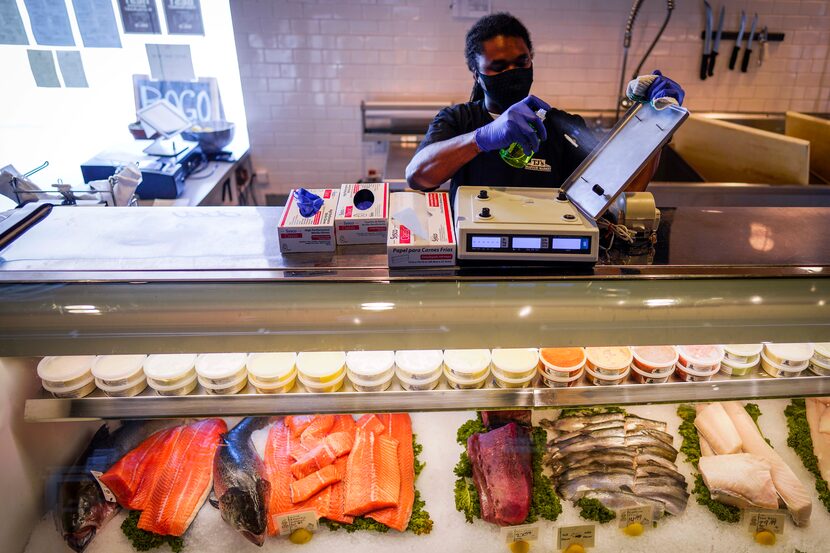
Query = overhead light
x=525 y=311
x=660 y=302
x=377 y=306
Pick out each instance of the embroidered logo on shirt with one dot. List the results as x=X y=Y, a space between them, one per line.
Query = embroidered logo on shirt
x=537 y=164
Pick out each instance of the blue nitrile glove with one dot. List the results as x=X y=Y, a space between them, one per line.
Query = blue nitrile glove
x=308 y=202
x=518 y=124
x=655 y=89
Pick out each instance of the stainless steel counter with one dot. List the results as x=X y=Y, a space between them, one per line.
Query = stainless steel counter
x=240 y=243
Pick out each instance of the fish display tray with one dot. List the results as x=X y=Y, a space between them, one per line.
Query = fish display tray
x=696 y=530
x=246 y=403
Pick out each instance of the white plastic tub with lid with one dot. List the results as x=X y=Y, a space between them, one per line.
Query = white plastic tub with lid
x=736 y=368
x=503 y=381
x=468 y=364
x=818 y=367
x=226 y=387
x=416 y=364
x=219 y=370
x=743 y=353
x=65 y=371
x=281 y=387
x=516 y=363
x=458 y=383
x=271 y=368
x=609 y=361
x=779 y=370
x=821 y=353
x=700 y=358
x=120 y=375
x=420 y=384
x=362 y=385
x=168 y=371
x=180 y=387
x=367 y=368
x=321 y=367
x=330 y=386
x=789 y=355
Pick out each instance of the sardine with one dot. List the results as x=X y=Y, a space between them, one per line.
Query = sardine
x=571 y=424
x=645 y=444
x=673 y=497
x=579 y=472
x=558 y=436
x=578 y=437
x=636 y=423
x=650 y=471
x=582 y=458
x=588 y=444
x=658 y=435
x=239 y=485
x=576 y=488
x=645 y=458
x=81 y=509
x=616 y=500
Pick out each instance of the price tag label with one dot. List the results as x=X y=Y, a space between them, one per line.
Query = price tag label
x=294 y=521
x=583 y=535
x=108 y=495
x=524 y=532
x=771 y=521
x=642 y=514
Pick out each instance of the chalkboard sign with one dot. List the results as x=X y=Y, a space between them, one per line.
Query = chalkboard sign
x=199 y=100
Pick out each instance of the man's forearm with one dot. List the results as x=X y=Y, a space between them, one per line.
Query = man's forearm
x=439 y=161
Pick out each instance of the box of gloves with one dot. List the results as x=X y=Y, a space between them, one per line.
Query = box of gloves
x=362 y=213
x=307 y=222
x=420 y=230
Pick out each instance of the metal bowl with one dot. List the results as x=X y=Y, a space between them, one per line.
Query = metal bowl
x=212 y=136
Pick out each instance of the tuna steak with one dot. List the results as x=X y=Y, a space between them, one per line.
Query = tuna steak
x=501 y=461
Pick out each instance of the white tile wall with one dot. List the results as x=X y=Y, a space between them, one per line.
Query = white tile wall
x=306 y=65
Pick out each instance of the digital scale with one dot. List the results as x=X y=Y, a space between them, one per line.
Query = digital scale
x=560 y=225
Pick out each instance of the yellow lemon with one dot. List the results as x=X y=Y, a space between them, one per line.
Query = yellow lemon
x=575 y=548
x=519 y=547
x=300 y=536
x=634 y=529
x=765 y=537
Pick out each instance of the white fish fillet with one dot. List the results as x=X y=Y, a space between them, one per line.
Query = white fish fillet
x=715 y=426
x=787 y=484
x=816 y=410
x=824 y=422
x=740 y=479
x=705 y=448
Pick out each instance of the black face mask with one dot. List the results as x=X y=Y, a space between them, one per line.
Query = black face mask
x=507 y=87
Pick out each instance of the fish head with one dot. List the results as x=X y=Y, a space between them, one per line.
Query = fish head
x=81 y=511
x=245 y=510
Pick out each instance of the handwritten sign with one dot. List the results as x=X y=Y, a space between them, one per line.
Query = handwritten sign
x=523 y=532
x=583 y=535
x=632 y=515
x=760 y=520
x=294 y=521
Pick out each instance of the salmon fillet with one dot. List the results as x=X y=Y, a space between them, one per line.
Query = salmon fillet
x=373 y=477
x=323 y=454
x=183 y=484
x=328 y=502
x=278 y=471
x=298 y=423
x=787 y=484
x=317 y=430
x=343 y=423
x=372 y=423
x=313 y=483
x=399 y=427
x=715 y=426
x=126 y=476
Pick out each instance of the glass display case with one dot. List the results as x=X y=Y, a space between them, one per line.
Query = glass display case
x=353 y=304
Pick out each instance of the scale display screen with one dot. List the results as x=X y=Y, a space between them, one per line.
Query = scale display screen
x=521 y=243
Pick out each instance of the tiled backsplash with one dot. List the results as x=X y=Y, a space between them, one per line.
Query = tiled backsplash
x=306 y=65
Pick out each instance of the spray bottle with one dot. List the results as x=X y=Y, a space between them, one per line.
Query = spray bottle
x=514 y=155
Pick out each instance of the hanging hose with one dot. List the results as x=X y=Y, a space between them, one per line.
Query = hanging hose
x=629 y=25
x=669 y=8
x=632 y=16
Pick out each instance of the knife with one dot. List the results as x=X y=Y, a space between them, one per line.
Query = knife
x=733 y=59
x=762 y=43
x=716 y=45
x=748 y=51
x=707 y=42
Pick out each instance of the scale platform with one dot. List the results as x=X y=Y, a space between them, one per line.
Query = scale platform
x=560 y=225
x=531 y=224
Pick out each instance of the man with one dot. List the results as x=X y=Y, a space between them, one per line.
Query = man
x=464 y=140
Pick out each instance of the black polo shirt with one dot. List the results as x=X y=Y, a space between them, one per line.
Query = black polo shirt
x=569 y=142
